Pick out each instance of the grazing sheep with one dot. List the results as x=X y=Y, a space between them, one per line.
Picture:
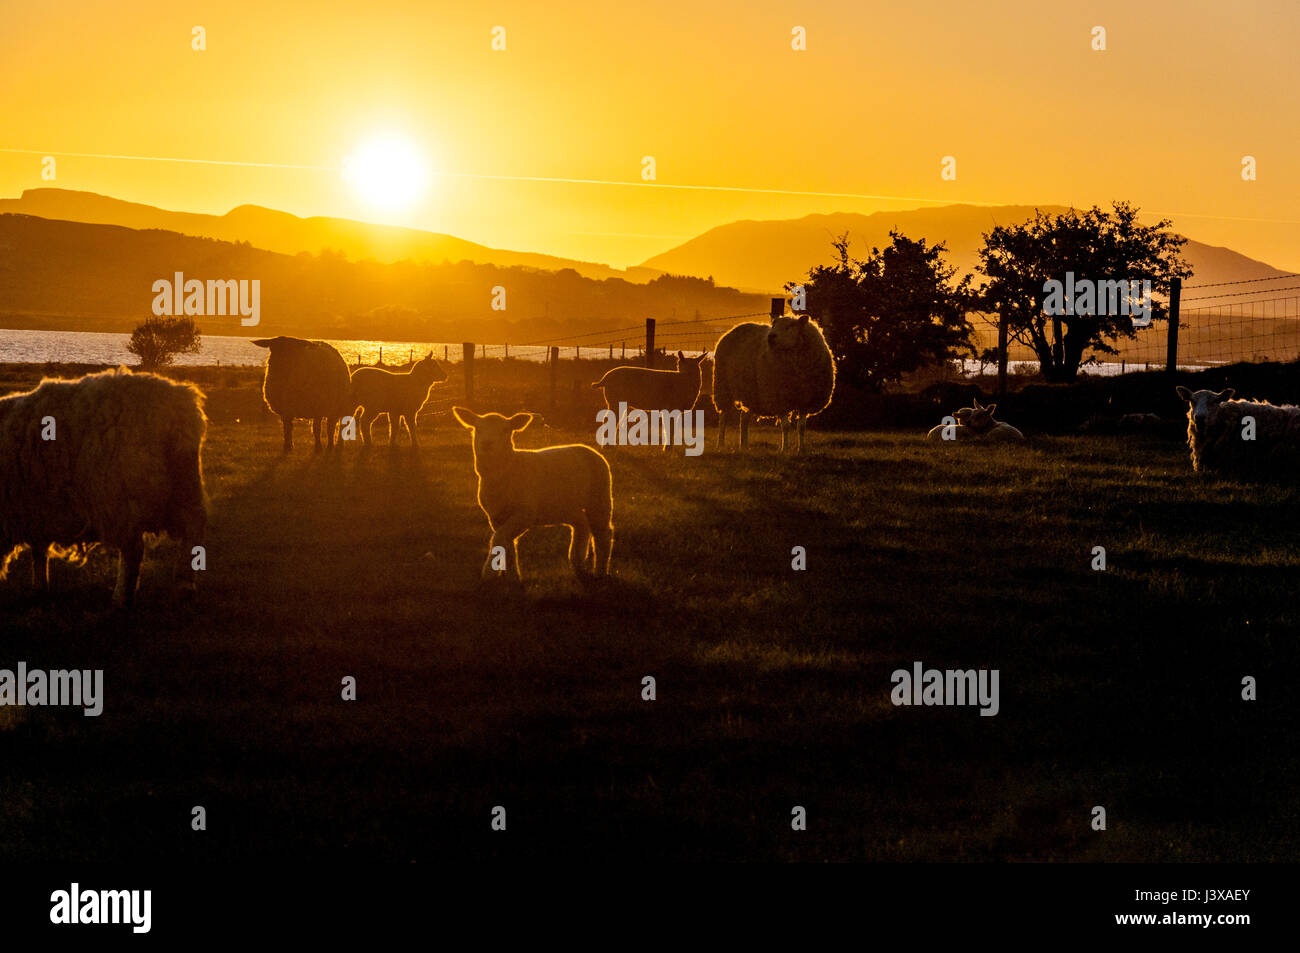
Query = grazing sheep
x=400 y=395
x=1216 y=431
x=645 y=389
x=104 y=459
x=306 y=379
x=519 y=489
x=977 y=424
x=782 y=370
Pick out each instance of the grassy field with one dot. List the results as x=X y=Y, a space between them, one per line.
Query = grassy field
x=1118 y=688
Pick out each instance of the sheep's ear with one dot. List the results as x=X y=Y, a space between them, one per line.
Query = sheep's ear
x=519 y=422
x=803 y=321
x=681 y=356
x=429 y=356
x=990 y=408
x=1226 y=393
x=1183 y=392
x=468 y=419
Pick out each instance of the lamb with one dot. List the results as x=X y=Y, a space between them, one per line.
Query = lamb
x=976 y=424
x=518 y=489
x=400 y=395
x=782 y=370
x=104 y=459
x=645 y=389
x=305 y=379
x=1217 y=431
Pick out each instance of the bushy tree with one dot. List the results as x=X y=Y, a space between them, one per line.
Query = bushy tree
x=159 y=341
x=1095 y=245
x=892 y=313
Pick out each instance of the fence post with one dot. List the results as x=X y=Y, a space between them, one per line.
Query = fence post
x=446 y=352
x=555 y=367
x=507 y=352
x=1175 y=296
x=1002 y=355
x=467 y=349
x=650 y=342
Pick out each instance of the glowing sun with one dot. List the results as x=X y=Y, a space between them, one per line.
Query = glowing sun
x=388 y=173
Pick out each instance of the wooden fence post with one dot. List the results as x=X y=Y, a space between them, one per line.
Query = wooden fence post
x=1175 y=297
x=555 y=367
x=467 y=349
x=778 y=307
x=650 y=342
x=1002 y=355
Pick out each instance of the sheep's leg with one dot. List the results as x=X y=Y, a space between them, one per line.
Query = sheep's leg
x=41 y=567
x=128 y=572
x=288 y=433
x=315 y=431
x=507 y=537
x=722 y=430
x=744 y=430
x=579 y=544
x=803 y=422
x=785 y=434
x=410 y=428
x=366 y=430
x=603 y=537
x=330 y=423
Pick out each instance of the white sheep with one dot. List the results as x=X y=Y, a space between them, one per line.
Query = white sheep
x=783 y=369
x=400 y=395
x=1220 y=438
x=976 y=424
x=520 y=489
x=645 y=389
x=106 y=459
x=306 y=379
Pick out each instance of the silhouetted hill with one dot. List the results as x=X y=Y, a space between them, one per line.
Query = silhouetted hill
x=766 y=254
x=289 y=234
x=75 y=276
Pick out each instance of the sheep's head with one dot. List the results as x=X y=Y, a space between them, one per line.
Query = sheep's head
x=1201 y=404
x=426 y=368
x=690 y=366
x=977 y=418
x=494 y=435
x=788 y=334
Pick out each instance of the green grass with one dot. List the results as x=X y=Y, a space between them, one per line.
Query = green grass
x=1118 y=688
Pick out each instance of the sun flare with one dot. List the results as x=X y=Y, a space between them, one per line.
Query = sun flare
x=388 y=173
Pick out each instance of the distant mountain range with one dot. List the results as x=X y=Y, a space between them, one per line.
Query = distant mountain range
x=767 y=254
x=281 y=232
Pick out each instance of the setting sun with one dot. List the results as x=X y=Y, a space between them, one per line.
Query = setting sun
x=388 y=173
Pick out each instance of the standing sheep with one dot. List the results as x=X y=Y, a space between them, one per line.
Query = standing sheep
x=519 y=489
x=306 y=379
x=976 y=424
x=782 y=370
x=1219 y=436
x=645 y=389
x=400 y=395
x=102 y=459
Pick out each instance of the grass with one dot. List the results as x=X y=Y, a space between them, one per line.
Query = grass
x=1118 y=688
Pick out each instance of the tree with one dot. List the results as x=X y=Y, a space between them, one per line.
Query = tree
x=892 y=313
x=1019 y=260
x=159 y=341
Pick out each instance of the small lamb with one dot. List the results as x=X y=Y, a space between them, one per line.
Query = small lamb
x=648 y=390
x=557 y=486
x=976 y=423
x=400 y=395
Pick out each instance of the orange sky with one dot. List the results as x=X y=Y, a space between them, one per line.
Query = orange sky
x=711 y=90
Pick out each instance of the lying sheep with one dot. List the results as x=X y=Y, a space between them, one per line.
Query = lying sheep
x=782 y=370
x=102 y=459
x=644 y=389
x=306 y=379
x=400 y=395
x=519 y=489
x=1219 y=437
x=976 y=424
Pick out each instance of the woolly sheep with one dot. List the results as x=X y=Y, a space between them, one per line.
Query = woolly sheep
x=519 y=489
x=782 y=370
x=645 y=389
x=1216 y=429
x=306 y=379
x=104 y=459
x=976 y=424
x=400 y=395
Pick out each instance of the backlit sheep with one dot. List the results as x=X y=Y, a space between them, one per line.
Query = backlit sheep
x=1220 y=437
x=782 y=370
x=400 y=395
x=307 y=379
x=645 y=389
x=976 y=424
x=519 y=489
x=102 y=459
